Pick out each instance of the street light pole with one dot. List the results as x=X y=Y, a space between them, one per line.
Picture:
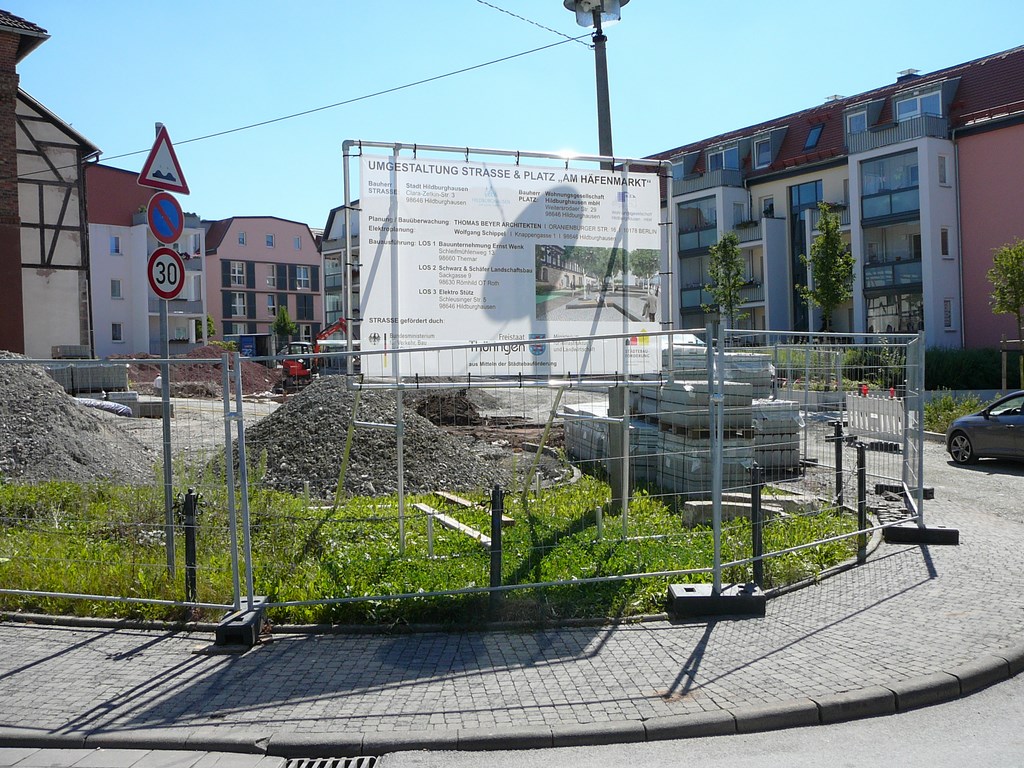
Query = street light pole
x=591 y=13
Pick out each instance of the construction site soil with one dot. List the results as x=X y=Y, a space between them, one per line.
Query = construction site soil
x=303 y=442
x=198 y=379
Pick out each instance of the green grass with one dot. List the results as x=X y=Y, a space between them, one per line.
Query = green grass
x=104 y=539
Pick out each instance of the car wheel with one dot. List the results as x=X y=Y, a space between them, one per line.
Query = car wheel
x=961 y=450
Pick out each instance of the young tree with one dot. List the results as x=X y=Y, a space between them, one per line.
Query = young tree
x=725 y=268
x=831 y=267
x=1007 y=278
x=644 y=263
x=283 y=327
x=211 y=329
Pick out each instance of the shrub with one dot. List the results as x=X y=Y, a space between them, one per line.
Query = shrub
x=969 y=369
x=942 y=410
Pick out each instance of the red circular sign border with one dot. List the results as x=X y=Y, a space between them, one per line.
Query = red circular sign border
x=151 y=208
x=167 y=295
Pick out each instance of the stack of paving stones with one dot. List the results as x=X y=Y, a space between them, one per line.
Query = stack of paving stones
x=777 y=426
x=586 y=442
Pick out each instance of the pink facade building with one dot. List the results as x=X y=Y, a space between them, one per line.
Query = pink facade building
x=991 y=159
x=256 y=266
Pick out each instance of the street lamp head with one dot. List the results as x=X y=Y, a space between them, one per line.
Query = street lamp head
x=609 y=10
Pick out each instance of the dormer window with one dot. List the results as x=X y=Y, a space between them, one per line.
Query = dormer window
x=857 y=122
x=915 y=106
x=728 y=159
x=762 y=153
x=813 y=136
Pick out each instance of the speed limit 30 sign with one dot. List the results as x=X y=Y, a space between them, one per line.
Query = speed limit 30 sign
x=166 y=273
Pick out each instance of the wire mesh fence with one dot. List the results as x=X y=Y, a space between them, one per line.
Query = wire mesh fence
x=448 y=498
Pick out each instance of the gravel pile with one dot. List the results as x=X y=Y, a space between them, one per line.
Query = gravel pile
x=304 y=440
x=46 y=435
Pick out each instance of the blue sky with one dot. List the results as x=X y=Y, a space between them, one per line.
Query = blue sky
x=679 y=71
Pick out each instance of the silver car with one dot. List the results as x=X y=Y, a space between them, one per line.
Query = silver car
x=996 y=431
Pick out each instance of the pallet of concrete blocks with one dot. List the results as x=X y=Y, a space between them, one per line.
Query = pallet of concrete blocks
x=687 y=405
x=586 y=441
x=644 y=449
x=777 y=425
x=687 y=464
x=643 y=401
x=686 y=361
x=753 y=368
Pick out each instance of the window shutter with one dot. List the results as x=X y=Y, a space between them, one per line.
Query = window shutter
x=250 y=305
x=250 y=275
x=226 y=307
x=292 y=283
x=225 y=273
x=282 y=276
x=282 y=302
x=314 y=279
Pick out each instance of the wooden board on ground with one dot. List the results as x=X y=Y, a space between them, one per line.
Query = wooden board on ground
x=455 y=499
x=450 y=522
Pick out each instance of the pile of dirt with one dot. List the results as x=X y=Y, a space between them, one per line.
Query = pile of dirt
x=45 y=434
x=198 y=379
x=304 y=441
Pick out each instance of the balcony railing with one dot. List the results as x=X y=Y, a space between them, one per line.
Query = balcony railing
x=753 y=291
x=889 y=203
x=695 y=297
x=748 y=233
x=723 y=177
x=844 y=217
x=892 y=274
x=907 y=130
x=695 y=239
x=177 y=306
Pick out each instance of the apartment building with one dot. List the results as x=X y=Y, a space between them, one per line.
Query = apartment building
x=334 y=247
x=126 y=311
x=258 y=265
x=922 y=172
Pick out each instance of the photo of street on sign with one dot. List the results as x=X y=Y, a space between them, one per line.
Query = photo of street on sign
x=166 y=273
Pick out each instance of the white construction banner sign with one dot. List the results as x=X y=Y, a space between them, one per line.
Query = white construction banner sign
x=500 y=255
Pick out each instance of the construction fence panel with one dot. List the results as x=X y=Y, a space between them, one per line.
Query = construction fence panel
x=89 y=521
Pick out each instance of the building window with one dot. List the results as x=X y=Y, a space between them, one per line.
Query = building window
x=196 y=245
x=116 y=332
x=272 y=304
x=238 y=273
x=943 y=179
x=762 y=153
x=813 y=136
x=944 y=241
x=298 y=243
x=302 y=278
x=857 y=122
x=115 y=288
x=890 y=174
x=272 y=276
x=304 y=307
x=305 y=332
x=739 y=213
x=270 y=241
x=928 y=104
x=115 y=244
x=728 y=159
x=241 y=238
x=947 y=314
x=238 y=305
x=768 y=206
x=698 y=223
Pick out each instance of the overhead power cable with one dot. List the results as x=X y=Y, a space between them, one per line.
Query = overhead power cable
x=531 y=21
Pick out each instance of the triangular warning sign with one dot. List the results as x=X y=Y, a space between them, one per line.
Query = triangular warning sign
x=162 y=170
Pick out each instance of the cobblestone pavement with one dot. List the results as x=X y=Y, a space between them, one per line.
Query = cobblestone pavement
x=910 y=611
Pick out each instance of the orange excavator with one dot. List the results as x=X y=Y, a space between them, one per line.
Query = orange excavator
x=299 y=371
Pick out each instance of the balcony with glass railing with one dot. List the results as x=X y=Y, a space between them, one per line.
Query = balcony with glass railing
x=722 y=177
x=697 y=239
x=890 y=203
x=905 y=130
x=892 y=274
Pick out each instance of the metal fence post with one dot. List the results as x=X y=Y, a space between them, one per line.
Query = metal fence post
x=497 y=510
x=838 y=437
x=229 y=464
x=243 y=483
x=189 y=513
x=862 y=504
x=757 y=524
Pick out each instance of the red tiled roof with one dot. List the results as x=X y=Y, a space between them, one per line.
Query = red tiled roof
x=990 y=85
x=215 y=233
x=31 y=34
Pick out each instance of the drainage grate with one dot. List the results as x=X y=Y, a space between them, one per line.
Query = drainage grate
x=331 y=762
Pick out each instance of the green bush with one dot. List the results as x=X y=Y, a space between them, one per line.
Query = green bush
x=969 y=369
x=942 y=410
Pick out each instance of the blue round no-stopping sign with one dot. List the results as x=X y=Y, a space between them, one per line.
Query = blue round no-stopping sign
x=166 y=221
